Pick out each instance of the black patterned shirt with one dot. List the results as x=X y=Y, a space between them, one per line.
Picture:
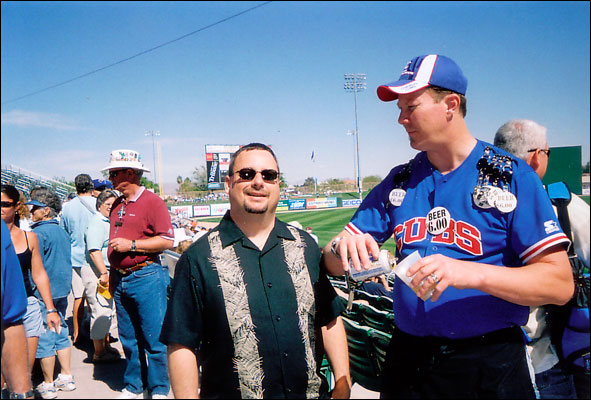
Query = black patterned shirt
x=253 y=316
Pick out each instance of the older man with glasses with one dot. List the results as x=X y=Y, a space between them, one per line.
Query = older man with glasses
x=250 y=301
x=140 y=229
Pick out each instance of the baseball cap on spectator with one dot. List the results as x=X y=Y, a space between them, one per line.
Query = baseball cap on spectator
x=36 y=203
x=100 y=184
x=122 y=159
x=423 y=71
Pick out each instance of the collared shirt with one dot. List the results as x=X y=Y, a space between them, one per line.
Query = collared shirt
x=142 y=217
x=253 y=314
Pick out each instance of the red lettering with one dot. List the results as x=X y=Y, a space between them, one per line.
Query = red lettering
x=447 y=236
x=398 y=236
x=411 y=225
x=460 y=233
x=468 y=238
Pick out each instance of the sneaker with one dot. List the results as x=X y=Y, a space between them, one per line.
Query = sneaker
x=126 y=394
x=65 y=383
x=159 y=396
x=46 y=390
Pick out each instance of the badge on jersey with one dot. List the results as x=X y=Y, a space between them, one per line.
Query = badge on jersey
x=480 y=198
x=397 y=196
x=438 y=220
x=505 y=202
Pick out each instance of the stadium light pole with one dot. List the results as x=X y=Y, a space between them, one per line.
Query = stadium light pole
x=355 y=154
x=153 y=133
x=356 y=83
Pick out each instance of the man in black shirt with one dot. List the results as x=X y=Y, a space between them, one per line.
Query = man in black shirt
x=250 y=301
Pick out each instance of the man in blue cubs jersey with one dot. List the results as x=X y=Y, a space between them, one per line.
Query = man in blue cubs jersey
x=488 y=240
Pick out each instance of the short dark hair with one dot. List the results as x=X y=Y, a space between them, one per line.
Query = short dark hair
x=104 y=196
x=83 y=183
x=11 y=192
x=439 y=93
x=248 y=147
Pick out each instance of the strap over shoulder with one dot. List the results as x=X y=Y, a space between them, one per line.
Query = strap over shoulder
x=559 y=190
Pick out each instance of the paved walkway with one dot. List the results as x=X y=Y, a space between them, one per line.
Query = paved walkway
x=105 y=381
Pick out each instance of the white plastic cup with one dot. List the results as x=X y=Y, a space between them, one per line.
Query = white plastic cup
x=403 y=266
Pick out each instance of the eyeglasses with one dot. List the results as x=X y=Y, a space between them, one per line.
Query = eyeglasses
x=33 y=208
x=113 y=174
x=248 y=174
x=6 y=204
x=547 y=151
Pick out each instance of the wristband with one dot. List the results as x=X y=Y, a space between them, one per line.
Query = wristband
x=25 y=395
x=133 y=246
x=105 y=273
x=52 y=310
x=333 y=246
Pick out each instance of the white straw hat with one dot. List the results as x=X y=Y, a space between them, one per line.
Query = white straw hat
x=125 y=159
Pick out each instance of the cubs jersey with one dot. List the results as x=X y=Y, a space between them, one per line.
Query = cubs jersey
x=472 y=233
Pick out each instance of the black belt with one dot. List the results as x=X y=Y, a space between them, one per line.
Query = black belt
x=512 y=334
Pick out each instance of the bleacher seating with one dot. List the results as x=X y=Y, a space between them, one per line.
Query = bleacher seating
x=380 y=342
x=367 y=353
x=377 y=319
x=361 y=355
x=24 y=181
x=369 y=326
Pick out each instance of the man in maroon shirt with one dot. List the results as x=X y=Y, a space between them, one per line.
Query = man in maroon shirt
x=140 y=229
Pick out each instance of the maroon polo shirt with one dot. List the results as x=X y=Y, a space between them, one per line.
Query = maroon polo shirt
x=143 y=217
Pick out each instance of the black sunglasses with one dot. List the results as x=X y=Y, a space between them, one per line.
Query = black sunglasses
x=547 y=151
x=6 y=204
x=248 y=174
x=113 y=174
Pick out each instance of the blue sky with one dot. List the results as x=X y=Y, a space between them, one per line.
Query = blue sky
x=273 y=75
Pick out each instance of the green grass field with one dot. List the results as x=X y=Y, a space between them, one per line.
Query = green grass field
x=325 y=224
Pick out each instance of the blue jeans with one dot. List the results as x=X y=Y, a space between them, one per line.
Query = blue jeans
x=140 y=300
x=556 y=383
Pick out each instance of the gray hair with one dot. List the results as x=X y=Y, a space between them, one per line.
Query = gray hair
x=48 y=197
x=520 y=135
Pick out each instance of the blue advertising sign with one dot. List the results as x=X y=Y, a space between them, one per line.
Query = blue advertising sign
x=297 y=204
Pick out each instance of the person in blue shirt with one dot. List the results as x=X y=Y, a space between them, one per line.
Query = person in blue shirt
x=74 y=219
x=54 y=243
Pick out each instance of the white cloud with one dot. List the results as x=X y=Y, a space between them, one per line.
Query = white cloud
x=23 y=118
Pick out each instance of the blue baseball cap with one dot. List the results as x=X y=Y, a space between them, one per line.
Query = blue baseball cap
x=423 y=71
x=101 y=183
x=36 y=203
